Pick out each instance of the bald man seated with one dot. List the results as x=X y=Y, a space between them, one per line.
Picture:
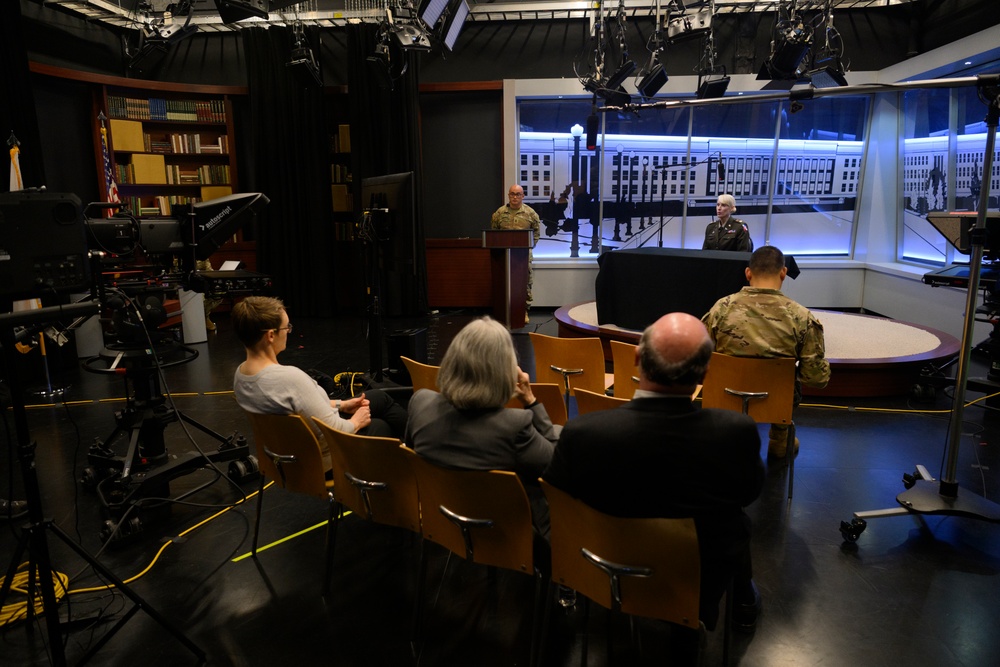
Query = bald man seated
x=659 y=455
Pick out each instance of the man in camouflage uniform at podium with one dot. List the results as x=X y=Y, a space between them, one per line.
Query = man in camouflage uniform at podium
x=515 y=214
x=760 y=321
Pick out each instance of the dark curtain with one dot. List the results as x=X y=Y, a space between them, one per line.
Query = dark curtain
x=17 y=108
x=290 y=164
x=385 y=134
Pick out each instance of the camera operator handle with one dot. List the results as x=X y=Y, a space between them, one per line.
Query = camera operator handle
x=49 y=314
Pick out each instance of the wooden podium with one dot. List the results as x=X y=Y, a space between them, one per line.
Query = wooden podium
x=509 y=264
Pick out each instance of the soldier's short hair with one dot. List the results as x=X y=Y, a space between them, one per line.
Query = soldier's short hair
x=728 y=200
x=767 y=261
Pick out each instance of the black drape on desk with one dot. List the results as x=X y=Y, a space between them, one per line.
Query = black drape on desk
x=637 y=287
x=289 y=164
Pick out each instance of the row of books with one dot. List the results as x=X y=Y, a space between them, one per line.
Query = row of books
x=153 y=108
x=341 y=142
x=137 y=172
x=340 y=174
x=155 y=206
x=186 y=143
x=210 y=174
x=129 y=136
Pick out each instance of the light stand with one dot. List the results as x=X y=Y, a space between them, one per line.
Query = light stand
x=34 y=538
x=925 y=495
x=372 y=220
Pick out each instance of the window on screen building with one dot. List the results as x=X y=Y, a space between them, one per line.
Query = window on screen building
x=794 y=175
x=944 y=146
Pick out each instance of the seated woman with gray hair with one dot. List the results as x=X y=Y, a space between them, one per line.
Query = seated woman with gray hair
x=466 y=425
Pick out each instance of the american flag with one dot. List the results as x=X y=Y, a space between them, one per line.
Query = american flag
x=109 y=175
x=15 y=168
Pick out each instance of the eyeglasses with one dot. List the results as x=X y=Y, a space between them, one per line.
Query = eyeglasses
x=515 y=194
x=288 y=328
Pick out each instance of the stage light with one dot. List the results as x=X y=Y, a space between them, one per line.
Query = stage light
x=407 y=29
x=454 y=23
x=827 y=77
x=304 y=67
x=652 y=82
x=690 y=25
x=790 y=47
x=615 y=81
x=160 y=33
x=712 y=88
x=232 y=11
x=430 y=11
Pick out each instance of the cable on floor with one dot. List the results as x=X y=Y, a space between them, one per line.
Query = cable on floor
x=159 y=552
x=18 y=611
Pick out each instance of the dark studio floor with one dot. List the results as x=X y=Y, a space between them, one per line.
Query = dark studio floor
x=916 y=589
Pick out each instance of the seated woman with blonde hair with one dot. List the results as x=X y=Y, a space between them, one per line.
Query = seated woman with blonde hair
x=466 y=426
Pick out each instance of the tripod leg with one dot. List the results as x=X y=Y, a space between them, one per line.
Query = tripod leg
x=129 y=593
x=12 y=568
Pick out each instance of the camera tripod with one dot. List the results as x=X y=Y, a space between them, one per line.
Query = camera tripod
x=145 y=470
x=34 y=539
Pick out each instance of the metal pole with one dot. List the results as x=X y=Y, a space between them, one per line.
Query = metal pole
x=949 y=485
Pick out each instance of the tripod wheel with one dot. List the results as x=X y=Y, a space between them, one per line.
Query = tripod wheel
x=90 y=477
x=852 y=531
x=244 y=469
x=117 y=531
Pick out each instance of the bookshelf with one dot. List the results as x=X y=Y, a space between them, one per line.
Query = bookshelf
x=342 y=186
x=169 y=147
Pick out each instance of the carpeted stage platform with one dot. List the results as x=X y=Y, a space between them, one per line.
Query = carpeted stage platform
x=869 y=356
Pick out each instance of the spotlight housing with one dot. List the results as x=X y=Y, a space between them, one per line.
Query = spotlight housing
x=304 y=67
x=233 y=11
x=710 y=88
x=827 y=77
x=652 y=82
x=688 y=26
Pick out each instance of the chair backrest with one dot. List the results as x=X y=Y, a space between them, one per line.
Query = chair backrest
x=422 y=376
x=775 y=378
x=623 y=360
x=373 y=477
x=658 y=572
x=549 y=395
x=289 y=453
x=494 y=507
x=571 y=354
x=588 y=401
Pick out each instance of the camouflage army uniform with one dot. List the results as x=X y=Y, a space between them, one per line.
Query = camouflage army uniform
x=759 y=322
x=524 y=217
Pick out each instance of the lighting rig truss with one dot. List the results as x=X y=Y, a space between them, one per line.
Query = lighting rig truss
x=606 y=51
x=790 y=43
x=303 y=62
x=158 y=31
x=652 y=77
x=712 y=78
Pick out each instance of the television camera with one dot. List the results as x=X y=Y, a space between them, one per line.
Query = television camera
x=52 y=247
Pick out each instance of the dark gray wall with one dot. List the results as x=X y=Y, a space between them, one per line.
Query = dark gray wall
x=461 y=139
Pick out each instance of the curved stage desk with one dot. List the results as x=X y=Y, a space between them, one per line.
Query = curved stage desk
x=869 y=356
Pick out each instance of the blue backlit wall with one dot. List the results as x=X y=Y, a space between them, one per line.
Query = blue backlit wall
x=796 y=177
